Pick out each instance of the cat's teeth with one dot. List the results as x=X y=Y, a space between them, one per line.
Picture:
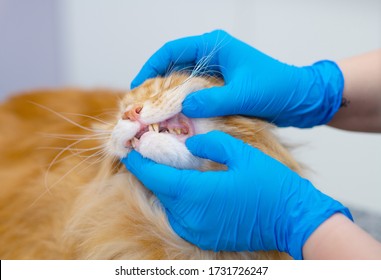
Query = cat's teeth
x=184 y=130
x=155 y=127
x=177 y=131
x=134 y=142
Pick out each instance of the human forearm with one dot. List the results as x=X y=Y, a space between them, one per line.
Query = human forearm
x=340 y=238
x=361 y=110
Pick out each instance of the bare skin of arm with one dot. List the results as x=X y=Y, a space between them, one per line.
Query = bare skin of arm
x=362 y=94
x=340 y=238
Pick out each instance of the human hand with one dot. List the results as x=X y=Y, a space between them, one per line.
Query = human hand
x=257 y=204
x=255 y=84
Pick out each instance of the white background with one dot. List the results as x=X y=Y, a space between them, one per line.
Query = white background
x=295 y=270
x=93 y=43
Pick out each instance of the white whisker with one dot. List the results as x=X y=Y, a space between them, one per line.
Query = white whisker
x=48 y=189
x=63 y=117
x=57 y=156
x=72 y=149
x=73 y=154
x=89 y=117
x=78 y=138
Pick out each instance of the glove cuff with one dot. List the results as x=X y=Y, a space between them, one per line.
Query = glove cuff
x=323 y=84
x=307 y=216
x=332 y=81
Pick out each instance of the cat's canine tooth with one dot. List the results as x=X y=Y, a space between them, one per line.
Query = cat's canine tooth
x=177 y=131
x=155 y=127
x=134 y=142
x=150 y=128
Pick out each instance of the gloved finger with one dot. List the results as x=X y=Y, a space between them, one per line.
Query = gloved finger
x=216 y=146
x=210 y=102
x=160 y=179
x=187 y=233
x=179 y=227
x=182 y=51
x=148 y=71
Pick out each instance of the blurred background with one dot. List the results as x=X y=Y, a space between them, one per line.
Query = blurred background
x=99 y=43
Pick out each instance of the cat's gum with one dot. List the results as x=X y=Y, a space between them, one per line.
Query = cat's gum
x=179 y=121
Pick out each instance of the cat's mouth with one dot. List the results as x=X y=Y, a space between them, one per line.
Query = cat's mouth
x=179 y=126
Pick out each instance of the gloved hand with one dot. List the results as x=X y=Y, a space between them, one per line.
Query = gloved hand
x=255 y=84
x=257 y=204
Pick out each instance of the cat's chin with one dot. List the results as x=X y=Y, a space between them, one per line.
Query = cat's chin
x=166 y=149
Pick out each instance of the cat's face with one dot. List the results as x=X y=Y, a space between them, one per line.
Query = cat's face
x=150 y=121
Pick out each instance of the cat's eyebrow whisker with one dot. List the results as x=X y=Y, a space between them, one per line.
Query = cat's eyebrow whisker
x=203 y=66
x=211 y=72
x=172 y=66
x=184 y=69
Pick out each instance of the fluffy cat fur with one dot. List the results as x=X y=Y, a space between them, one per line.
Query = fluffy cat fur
x=64 y=194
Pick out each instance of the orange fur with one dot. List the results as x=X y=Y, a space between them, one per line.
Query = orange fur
x=84 y=204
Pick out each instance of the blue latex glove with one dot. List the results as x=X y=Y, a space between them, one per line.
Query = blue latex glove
x=257 y=204
x=255 y=84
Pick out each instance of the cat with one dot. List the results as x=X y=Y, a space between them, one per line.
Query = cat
x=64 y=193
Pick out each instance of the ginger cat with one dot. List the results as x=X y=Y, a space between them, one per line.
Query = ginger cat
x=64 y=194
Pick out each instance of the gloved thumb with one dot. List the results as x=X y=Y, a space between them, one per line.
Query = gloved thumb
x=160 y=179
x=216 y=146
x=210 y=102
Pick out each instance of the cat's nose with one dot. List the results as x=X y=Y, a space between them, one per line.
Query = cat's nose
x=133 y=114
